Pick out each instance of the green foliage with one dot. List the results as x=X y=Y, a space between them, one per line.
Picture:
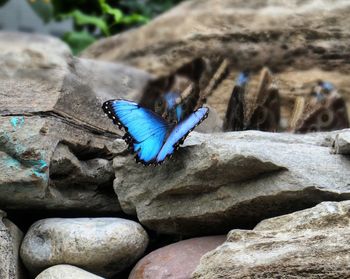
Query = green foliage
x=81 y=19
x=120 y=17
x=98 y=18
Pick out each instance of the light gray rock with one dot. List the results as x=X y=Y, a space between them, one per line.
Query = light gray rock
x=65 y=271
x=103 y=246
x=51 y=120
x=10 y=240
x=220 y=181
x=341 y=143
x=313 y=243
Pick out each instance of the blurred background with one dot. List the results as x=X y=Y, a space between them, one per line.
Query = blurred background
x=79 y=23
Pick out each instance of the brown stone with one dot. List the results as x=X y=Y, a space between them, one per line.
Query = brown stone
x=175 y=261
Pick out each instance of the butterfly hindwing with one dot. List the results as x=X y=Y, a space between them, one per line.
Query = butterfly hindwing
x=145 y=130
x=180 y=131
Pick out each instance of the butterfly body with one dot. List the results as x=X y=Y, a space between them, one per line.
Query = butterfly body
x=173 y=106
x=148 y=135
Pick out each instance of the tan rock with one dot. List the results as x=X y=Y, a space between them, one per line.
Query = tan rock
x=313 y=243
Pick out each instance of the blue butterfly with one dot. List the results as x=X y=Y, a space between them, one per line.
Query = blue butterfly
x=242 y=79
x=322 y=89
x=171 y=99
x=147 y=134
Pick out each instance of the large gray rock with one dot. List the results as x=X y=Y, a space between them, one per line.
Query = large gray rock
x=10 y=240
x=103 y=246
x=312 y=243
x=226 y=180
x=65 y=271
x=54 y=136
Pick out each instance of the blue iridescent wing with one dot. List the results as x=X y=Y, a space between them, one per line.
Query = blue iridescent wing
x=145 y=130
x=180 y=132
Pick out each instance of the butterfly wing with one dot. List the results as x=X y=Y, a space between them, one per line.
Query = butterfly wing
x=234 y=118
x=180 y=132
x=145 y=130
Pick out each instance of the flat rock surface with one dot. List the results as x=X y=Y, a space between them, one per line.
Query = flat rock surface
x=217 y=182
x=175 y=261
x=65 y=271
x=104 y=246
x=312 y=243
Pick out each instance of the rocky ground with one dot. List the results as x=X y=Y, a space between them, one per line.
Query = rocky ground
x=251 y=204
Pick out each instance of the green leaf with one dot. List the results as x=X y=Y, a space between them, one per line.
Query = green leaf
x=84 y=19
x=43 y=8
x=78 y=41
x=119 y=16
x=134 y=18
x=116 y=13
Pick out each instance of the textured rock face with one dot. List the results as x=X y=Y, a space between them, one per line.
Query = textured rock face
x=273 y=33
x=10 y=240
x=54 y=136
x=175 y=261
x=65 y=271
x=312 y=243
x=104 y=246
x=220 y=181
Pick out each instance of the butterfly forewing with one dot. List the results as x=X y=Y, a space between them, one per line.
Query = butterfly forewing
x=180 y=132
x=145 y=130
